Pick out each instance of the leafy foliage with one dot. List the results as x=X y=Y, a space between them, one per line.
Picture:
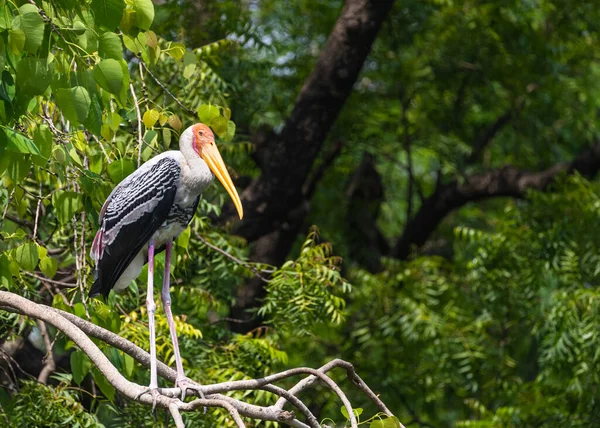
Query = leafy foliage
x=303 y=292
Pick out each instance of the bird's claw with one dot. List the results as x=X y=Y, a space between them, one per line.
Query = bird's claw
x=154 y=393
x=185 y=383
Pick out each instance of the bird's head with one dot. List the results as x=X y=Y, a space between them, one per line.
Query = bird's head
x=201 y=140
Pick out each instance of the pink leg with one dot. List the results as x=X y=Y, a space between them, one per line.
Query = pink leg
x=166 y=300
x=151 y=307
x=181 y=381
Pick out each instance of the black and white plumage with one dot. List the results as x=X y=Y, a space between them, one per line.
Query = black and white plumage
x=149 y=209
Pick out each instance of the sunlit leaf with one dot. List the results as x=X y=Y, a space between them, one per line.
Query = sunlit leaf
x=109 y=75
x=17 y=142
x=110 y=46
x=208 y=112
x=120 y=169
x=144 y=13
x=74 y=103
x=150 y=118
x=49 y=266
x=31 y=24
x=26 y=256
x=66 y=204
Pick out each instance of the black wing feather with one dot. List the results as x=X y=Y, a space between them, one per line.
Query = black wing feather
x=155 y=187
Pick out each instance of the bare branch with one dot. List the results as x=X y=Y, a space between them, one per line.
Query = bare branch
x=139 y=123
x=164 y=88
x=507 y=181
x=78 y=330
x=247 y=265
x=311 y=182
x=49 y=364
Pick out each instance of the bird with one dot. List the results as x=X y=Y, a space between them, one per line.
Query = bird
x=142 y=216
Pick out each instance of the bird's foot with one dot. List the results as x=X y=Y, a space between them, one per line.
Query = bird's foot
x=185 y=383
x=153 y=392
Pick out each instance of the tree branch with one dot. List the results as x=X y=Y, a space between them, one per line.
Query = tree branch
x=507 y=181
x=271 y=197
x=274 y=206
x=488 y=135
x=78 y=329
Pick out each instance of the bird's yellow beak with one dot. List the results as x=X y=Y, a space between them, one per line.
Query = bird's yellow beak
x=213 y=159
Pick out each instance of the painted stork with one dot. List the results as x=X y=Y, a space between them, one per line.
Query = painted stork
x=142 y=216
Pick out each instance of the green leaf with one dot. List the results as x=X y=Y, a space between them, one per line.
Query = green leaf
x=7 y=87
x=110 y=46
x=5 y=275
x=207 y=112
x=42 y=138
x=387 y=422
x=357 y=412
x=176 y=50
x=106 y=388
x=33 y=76
x=74 y=103
x=113 y=120
x=144 y=13
x=80 y=366
x=66 y=205
x=128 y=364
x=219 y=125
x=17 y=142
x=49 y=266
x=108 y=13
x=26 y=256
x=94 y=120
x=174 y=122
x=183 y=240
x=16 y=41
x=230 y=131
x=31 y=23
x=19 y=166
x=120 y=169
x=189 y=64
x=150 y=118
x=109 y=75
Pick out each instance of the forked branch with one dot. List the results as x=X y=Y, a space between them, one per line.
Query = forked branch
x=80 y=331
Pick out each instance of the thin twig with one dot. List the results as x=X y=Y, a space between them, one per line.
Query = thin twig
x=164 y=88
x=139 y=122
x=233 y=258
x=50 y=281
x=49 y=363
x=97 y=140
x=37 y=214
x=8 y=201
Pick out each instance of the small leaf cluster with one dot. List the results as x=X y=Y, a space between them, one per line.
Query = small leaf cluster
x=306 y=292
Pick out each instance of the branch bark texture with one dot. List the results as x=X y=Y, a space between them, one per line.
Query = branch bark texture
x=79 y=329
x=507 y=181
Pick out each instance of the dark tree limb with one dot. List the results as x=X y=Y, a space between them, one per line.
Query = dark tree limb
x=507 y=181
x=276 y=203
x=488 y=135
x=287 y=158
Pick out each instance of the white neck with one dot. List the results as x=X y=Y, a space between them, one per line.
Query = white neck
x=196 y=175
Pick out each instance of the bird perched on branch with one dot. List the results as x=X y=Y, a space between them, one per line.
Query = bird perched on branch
x=142 y=216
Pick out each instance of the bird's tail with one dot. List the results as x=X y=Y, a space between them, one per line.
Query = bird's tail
x=96 y=289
